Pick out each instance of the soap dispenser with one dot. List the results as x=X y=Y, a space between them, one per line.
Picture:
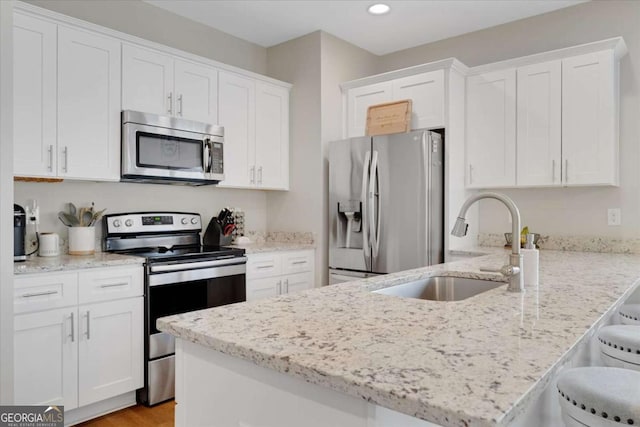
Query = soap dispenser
x=530 y=262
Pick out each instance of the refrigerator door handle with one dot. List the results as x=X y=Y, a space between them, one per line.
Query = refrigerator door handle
x=366 y=250
x=373 y=206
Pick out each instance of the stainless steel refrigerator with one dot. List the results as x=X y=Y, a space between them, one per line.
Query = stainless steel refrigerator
x=386 y=201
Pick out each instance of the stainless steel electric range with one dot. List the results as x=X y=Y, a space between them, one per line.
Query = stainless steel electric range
x=180 y=276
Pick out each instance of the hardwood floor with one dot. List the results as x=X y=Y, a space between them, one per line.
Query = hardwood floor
x=137 y=416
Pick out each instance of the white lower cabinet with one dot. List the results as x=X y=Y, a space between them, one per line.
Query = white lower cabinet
x=82 y=353
x=278 y=273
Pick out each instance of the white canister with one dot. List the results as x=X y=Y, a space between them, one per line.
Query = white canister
x=82 y=240
x=48 y=244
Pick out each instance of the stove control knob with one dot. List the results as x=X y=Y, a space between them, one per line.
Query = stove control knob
x=194 y=221
x=117 y=223
x=184 y=221
x=128 y=223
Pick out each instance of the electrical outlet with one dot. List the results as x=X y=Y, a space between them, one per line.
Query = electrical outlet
x=613 y=216
x=32 y=212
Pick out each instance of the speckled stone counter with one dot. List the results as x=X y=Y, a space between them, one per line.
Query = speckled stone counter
x=476 y=362
x=254 y=248
x=35 y=264
x=277 y=241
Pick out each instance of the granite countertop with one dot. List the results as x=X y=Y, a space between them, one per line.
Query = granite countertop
x=476 y=362
x=258 y=247
x=35 y=264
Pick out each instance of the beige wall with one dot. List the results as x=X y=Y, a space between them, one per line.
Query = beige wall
x=158 y=25
x=572 y=211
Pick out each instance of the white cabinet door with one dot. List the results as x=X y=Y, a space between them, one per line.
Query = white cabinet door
x=110 y=349
x=147 y=81
x=196 y=88
x=46 y=358
x=263 y=288
x=426 y=92
x=236 y=112
x=359 y=100
x=539 y=124
x=298 y=282
x=88 y=105
x=272 y=136
x=491 y=129
x=34 y=96
x=589 y=134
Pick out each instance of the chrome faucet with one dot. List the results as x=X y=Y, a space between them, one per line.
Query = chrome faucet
x=513 y=270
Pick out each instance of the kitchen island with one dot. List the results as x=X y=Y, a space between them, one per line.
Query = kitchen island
x=340 y=355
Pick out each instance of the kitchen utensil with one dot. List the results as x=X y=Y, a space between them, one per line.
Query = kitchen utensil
x=72 y=209
x=63 y=219
x=509 y=238
x=96 y=217
x=69 y=219
x=228 y=229
x=86 y=215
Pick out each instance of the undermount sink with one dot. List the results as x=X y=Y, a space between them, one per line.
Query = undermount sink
x=440 y=288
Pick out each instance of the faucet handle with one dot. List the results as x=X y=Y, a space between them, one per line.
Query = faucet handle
x=510 y=270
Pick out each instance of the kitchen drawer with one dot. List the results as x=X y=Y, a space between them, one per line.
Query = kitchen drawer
x=264 y=265
x=36 y=292
x=110 y=283
x=297 y=262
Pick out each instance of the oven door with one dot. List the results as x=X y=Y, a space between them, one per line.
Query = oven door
x=157 y=153
x=175 y=292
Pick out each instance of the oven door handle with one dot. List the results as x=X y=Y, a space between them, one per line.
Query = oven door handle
x=167 y=268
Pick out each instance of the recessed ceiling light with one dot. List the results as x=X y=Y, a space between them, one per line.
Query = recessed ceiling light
x=379 y=9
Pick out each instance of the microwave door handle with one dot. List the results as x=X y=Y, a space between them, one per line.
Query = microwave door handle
x=206 y=156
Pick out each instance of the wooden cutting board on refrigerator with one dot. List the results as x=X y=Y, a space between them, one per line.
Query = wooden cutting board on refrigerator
x=388 y=118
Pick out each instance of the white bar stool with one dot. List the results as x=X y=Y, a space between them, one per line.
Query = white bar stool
x=599 y=397
x=620 y=346
x=630 y=314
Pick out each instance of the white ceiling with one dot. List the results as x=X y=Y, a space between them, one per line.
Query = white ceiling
x=410 y=23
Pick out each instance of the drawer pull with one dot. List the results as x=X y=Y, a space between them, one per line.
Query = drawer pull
x=88 y=325
x=113 y=285
x=299 y=262
x=262 y=267
x=39 y=294
x=73 y=333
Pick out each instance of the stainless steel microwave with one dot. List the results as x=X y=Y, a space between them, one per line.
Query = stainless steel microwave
x=169 y=150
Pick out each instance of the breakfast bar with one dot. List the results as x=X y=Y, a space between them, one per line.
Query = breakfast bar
x=346 y=356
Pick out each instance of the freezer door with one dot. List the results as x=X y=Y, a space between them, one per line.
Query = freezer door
x=349 y=162
x=406 y=197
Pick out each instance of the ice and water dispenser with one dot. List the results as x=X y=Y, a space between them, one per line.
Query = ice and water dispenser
x=349 y=233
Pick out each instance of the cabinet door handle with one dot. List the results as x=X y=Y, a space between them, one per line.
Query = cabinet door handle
x=113 y=285
x=299 y=262
x=88 y=325
x=180 y=104
x=566 y=170
x=39 y=294
x=50 y=166
x=553 y=171
x=260 y=267
x=279 y=287
x=286 y=286
x=252 y=174
x=73 y=333
x=470 y=174
x=170 y=98
x=65 y=152
x=260 y=175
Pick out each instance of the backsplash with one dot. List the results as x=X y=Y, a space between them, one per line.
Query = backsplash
x=601 y=244
x=281 y=236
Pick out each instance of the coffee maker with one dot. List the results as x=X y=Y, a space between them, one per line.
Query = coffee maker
x=19 y=232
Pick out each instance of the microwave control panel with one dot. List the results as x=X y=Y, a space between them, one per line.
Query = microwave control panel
x=217 y=157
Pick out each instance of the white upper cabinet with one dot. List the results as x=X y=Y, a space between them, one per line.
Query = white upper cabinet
x=255 y=116
x=34 y=97
x=491 y=129
x=426 y=92
x=272 y=136
x=359 y=100
x=154 y=82
x=88 y=105
x=539 y=124
x=196 y=89
x=589 y=119
x=237 y=102
x=147 y=81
